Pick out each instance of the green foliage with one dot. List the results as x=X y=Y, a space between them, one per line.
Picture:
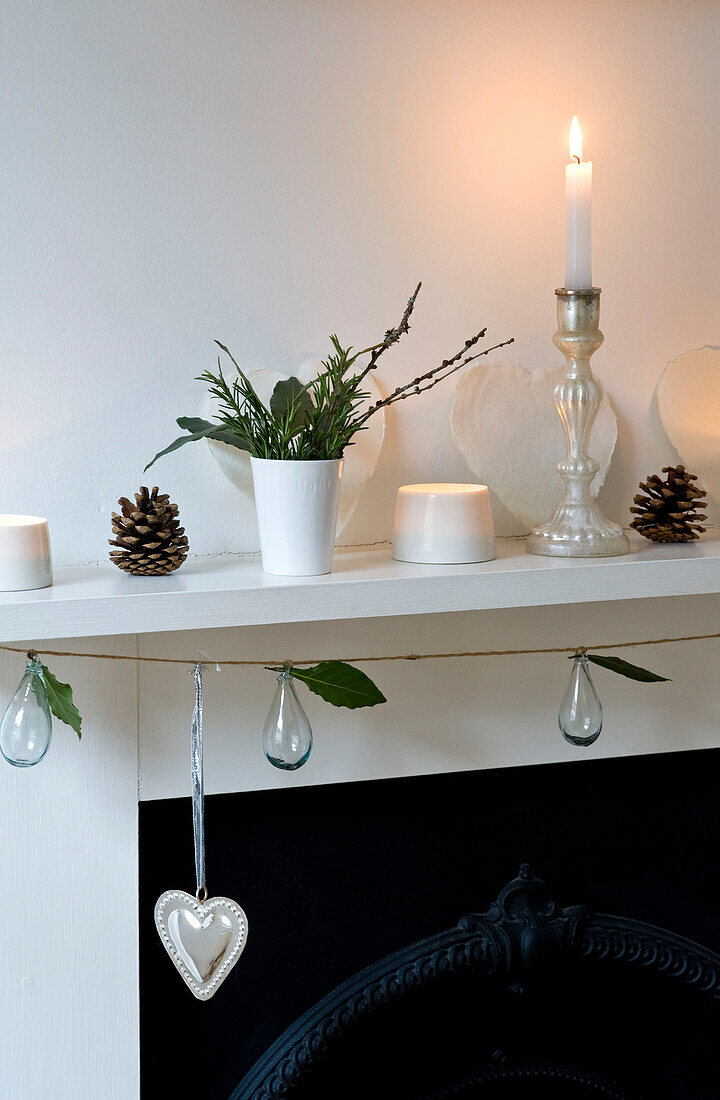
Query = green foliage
x=624 y=668
x=340 y=684
x=291 y=395
x=60 y=698
x=202 y=429
x=314 y=421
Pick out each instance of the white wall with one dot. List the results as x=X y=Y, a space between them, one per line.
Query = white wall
x=266 y=172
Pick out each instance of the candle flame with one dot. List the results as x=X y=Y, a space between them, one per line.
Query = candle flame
x=575 y=140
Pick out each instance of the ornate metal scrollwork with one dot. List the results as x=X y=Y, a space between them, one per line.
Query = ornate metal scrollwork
x=525 y=925
x=523 y=930
x=502 y=1068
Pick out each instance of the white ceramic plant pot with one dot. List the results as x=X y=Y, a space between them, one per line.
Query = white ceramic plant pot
x=297 y=508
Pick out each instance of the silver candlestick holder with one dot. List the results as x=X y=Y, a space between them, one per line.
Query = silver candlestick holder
x=578 y=529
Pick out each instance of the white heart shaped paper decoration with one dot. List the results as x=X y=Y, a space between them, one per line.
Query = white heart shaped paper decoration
x=203 y=939
x=688 y=396
x=504 y=422
x=361 y=457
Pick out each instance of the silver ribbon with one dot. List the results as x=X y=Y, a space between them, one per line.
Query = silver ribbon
x=198 y=793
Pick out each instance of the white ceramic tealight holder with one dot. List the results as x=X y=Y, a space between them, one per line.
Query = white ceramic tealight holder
x=25 y=561
x=448 y=524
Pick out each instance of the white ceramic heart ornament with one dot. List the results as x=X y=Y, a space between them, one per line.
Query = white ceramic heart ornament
x=688 y=396
x=505 y=424
x=203 y=939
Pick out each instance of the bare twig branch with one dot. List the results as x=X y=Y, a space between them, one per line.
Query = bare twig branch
x=415 y=387
x=391 y=336
x=441 y=378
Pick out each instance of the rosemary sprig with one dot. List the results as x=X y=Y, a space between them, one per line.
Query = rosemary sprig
x=318 y=420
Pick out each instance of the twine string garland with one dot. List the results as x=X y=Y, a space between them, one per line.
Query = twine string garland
x=230 y=662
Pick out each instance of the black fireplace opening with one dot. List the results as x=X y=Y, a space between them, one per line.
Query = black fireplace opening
x=576 y=976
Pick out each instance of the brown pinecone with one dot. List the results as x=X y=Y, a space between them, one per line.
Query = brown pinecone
x=668 y=511
x=149 y=535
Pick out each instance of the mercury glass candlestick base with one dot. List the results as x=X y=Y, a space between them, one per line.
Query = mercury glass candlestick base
x=578 y=529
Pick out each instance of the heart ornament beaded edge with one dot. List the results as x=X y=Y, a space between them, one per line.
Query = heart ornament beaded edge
x=203 y=939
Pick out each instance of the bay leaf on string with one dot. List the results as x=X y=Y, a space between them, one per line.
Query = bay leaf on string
x=624 y=668
x=340 y=684
x=60 y=698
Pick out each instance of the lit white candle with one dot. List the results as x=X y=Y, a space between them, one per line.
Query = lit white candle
x=578 y=204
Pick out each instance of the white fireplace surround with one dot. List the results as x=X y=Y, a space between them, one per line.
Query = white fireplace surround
x=267 y=173
x=70 y=952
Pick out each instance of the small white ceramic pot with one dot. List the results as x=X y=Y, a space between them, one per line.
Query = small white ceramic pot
x=24 y=553
x=297 y=508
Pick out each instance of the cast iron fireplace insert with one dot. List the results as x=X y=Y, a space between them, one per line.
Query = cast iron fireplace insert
x=336 y=877
x=526 y=999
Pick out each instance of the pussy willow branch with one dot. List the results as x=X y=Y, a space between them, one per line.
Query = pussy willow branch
x=416 y=386
x=464 y=363
x=391 y=336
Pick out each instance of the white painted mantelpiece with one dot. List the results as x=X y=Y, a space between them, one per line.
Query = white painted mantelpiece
x=69 y=957
x=234 y=591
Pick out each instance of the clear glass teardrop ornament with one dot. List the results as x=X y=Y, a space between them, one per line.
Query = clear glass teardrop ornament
x=287 y=736
x=580 y=717
x=26 y=726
